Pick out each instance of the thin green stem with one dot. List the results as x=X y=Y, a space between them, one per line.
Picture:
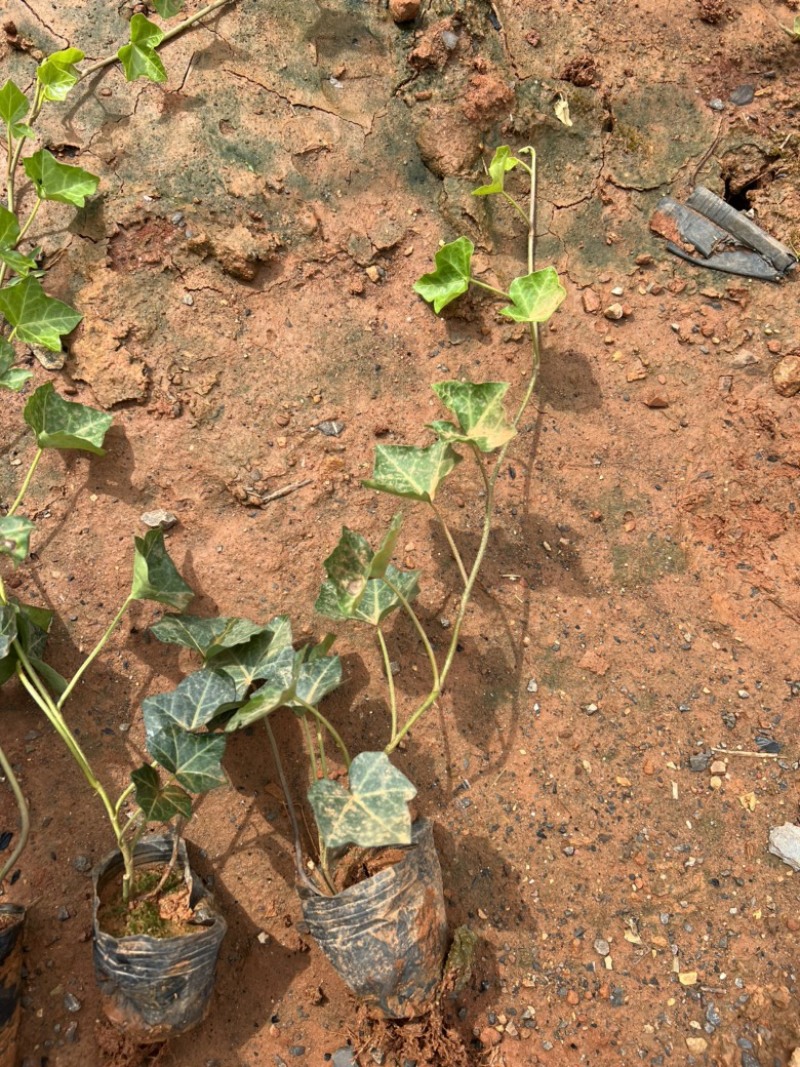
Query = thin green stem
x=487 y=287
x=517 y=207
x=323 y=759
x=28 y=222
x=24 y=818
x=27 y=481
x=309 y=740
x=387 y=666
x=420 y=630
x=168 y=36
x=98 y=648
x=453 y=546
x=122 y=798
x=330 y=728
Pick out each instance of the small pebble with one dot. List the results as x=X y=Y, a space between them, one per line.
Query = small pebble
x=716 y=104
x=742 y=95
x=330 y=427
x=62 y=914
x=533 y=686
x=297 y=1050
x=71 y=1002
x=188 y=299
x=614 y=312
x=82 y=864
x=159 y=518
x=343 y=1057
x=602 y=947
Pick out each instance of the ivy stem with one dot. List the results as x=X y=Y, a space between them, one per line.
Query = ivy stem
x=337 y=737
x=122 y=798
x=98 y=648
x=419 y=628
x=24 y=818
x=323 y=759
x=109 y=61
x=29 y=221
x=387 y=666
x=287 y=796
x=27 y=481
x=488 y=288
x=515 y=205
x=453 y=547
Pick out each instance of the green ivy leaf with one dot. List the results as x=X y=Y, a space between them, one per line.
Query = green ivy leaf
x=167 y=8
x=206 y=636
x=59 y=181
x=348 y=567
x=502 y=161
x=57 y=74
x=377 y=601
x=535 y=297
x=194 y=759
x=8 y=629
x=159 y=803
x=372 y=813
x=198 y=699
x=139 y=59
x=155 y=576
x=479 y=409
x=11 y=377
x=794 y=29
x=15 y=536
x=60 y=423
x=9 y=228
x=452 y=274
x=404 y=470
x=314 y=679
x=37 y=318
x=18 y=262
x=382 y=558
x=14 y=107
x=33 y=624
x=278 y=688
x=257 y=660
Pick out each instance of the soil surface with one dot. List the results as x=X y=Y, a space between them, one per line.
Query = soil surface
x=245 y=274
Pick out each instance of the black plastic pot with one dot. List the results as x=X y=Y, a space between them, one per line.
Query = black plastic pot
x=386 y=936
x=156 y=988
x=12 y=918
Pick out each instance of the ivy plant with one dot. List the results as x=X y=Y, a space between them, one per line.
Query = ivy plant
x=369 y=807
x=28 y=314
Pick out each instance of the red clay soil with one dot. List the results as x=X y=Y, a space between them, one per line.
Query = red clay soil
x=244 y=274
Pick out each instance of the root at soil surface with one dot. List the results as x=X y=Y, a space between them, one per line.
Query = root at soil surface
x=116 y=1049
x=426 y=1041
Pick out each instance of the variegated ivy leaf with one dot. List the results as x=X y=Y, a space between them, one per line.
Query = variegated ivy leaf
x=8 y=629
x=155 y=576
x=198 y=699
x=451 y=277
x=275 y=692
x=404 y=470
x=139 y=58
x=206 y=636
x=535 y=297
x=502 y=161
x=59 y=181
x=36 y=318
x=348 y=567
x=479 y=409
x=377 y=601
x=314 y=679
x=261 y=658
x=382 y=558
x=57 y=74
x=194 y=759
x=372 y=813
x=32 y=624
x=15 y=536
x=159 y=802
x=60 y=423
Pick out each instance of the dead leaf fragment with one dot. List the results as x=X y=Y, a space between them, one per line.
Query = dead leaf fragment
x=687 y=977
x=748 y=801
x=561 y=108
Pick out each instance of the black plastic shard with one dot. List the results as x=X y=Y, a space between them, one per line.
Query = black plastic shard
x=726 y=239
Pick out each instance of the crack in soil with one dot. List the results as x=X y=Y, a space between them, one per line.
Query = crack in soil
x=294 y=103
x=42 y=22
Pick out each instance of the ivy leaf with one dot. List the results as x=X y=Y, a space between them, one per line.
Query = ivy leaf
x=155 y=576
x=159 y=803
x=372 y=813
x=480 y=413
x=278 y=688
x=502 y=161
x=14 y=107
x=314 y=680
x=452 y=274
x=57 y=74
x=535 y=297
x=794 y=29
x=18 y=262
x=206 y=636
x=15 y=536
x=260 y=658
x=11 y=377
x=194 y=759
x=167 y=8
x=59 y=181
x=404 y=470
x=37 y=318
x=8 y=629
x=348 y=567
x=377 y=600
x=382 y=558
x=194 y=703
x=9 y=228
x=60 y=423
x=139 y=59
